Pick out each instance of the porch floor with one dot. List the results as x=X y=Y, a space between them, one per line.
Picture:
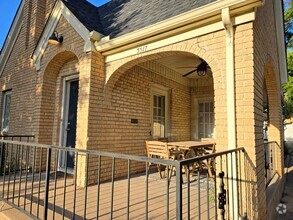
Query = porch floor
x=32 y=201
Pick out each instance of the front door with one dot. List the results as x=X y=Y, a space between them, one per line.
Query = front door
x=70 y=99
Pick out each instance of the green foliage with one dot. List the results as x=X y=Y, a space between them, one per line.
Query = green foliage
x=288 y=87
x=290 y=63
x=288 y=99
x=288 y=19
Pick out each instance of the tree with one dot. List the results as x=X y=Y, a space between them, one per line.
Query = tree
x=288 y=87
x=288 y=19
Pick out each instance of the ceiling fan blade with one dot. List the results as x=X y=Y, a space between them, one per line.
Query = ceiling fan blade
x=189 y=73
x=179 y=67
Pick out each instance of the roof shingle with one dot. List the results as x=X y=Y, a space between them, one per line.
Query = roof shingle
x=119 y=17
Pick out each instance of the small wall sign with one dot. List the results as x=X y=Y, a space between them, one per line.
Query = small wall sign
x=134 y=121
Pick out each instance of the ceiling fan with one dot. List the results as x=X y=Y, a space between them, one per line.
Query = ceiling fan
x=202 y=69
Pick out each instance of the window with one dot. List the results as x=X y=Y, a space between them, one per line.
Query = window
x=6 y=110
x=159 y=116
x=206 y=120
x=159 y=111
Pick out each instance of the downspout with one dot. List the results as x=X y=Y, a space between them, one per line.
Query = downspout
x=231 y=111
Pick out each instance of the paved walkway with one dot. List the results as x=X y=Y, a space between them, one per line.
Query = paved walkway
x=287 y=198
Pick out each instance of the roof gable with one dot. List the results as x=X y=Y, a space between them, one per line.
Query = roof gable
x=119 y=17
x=11 y=37
x=60 y=9
x=86 y=13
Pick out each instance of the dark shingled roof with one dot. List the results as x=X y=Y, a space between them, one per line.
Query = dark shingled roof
x=119 y=17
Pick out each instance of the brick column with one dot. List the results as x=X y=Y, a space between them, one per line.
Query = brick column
x=91 y=82
x=249 y=118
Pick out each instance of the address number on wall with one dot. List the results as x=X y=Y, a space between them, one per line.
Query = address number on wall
x=142 y=49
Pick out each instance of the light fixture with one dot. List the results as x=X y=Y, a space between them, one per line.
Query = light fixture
x=55 y=39
x=202 y=68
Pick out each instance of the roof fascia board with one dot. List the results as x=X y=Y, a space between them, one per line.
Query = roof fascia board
x=49 y=29
x=191 y=17
x=61 y=10
x=78 y=27
x=155 y=43
x=279 y=19
x=11 y=38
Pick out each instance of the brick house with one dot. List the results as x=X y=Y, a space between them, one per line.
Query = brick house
x=125 y=72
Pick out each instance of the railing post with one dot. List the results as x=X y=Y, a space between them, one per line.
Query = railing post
x=179 y=191
x=48 y=168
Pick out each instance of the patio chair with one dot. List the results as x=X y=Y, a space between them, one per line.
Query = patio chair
x=210 y=150
x=158 y=149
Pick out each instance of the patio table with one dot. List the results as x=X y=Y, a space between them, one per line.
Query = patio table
x=190 y=145
x=191 y=148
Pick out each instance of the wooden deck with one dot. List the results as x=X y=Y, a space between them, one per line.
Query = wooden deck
x=157 y=198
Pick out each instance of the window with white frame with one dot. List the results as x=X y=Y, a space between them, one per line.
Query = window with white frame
x=159 y=116
x=159 y=108
x=6 y=110
x=206 y=120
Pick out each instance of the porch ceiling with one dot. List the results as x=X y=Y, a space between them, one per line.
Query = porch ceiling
x=181 y=64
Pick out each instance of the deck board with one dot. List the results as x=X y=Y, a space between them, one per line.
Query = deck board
x=157 y=197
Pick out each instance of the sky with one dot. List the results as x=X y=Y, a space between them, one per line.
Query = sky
x=8 y=10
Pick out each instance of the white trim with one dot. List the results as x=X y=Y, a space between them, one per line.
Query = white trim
x=181 y=23
x=157 y=89
x=279 y=21
x=11 y=38
x=231 y=108
x=61 y=10
x=64 y=112
x=110 y=56
x=5 y=94
x=49 y=29
x=204 y=101
x=64 y=116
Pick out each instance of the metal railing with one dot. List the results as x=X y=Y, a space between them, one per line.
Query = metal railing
x=104 y=185
x=272 y=149
x=22 y=138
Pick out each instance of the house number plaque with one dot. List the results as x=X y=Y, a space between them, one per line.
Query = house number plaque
x=142 y=49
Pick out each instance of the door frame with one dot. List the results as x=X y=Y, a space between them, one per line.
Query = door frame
x=64 y=117
x=157 y=89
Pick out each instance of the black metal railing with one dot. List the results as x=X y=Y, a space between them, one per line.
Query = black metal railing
x=272 y=150
x=21 y=138
x=104 y=185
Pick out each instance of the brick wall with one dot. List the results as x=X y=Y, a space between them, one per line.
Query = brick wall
x=266 y=71
x=209 y=47
x=19 y=73
x=112 y=94
x=49 y=6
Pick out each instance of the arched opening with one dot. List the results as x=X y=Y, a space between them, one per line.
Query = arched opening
x=51 y=92
x=273 y=124
x=158 y=97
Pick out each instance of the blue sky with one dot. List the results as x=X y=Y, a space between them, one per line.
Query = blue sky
x=8 y=10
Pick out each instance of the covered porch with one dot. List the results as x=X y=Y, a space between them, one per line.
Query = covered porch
x=134 y=194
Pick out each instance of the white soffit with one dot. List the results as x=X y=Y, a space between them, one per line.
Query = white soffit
x=279 y=21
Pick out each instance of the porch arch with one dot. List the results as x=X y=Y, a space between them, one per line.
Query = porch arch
x=275 y=121
x=115 y=69
x=47 y=93
x=274 y=102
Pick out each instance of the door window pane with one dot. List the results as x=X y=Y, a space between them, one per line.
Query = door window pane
x=206 y=120
x=6 y=111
